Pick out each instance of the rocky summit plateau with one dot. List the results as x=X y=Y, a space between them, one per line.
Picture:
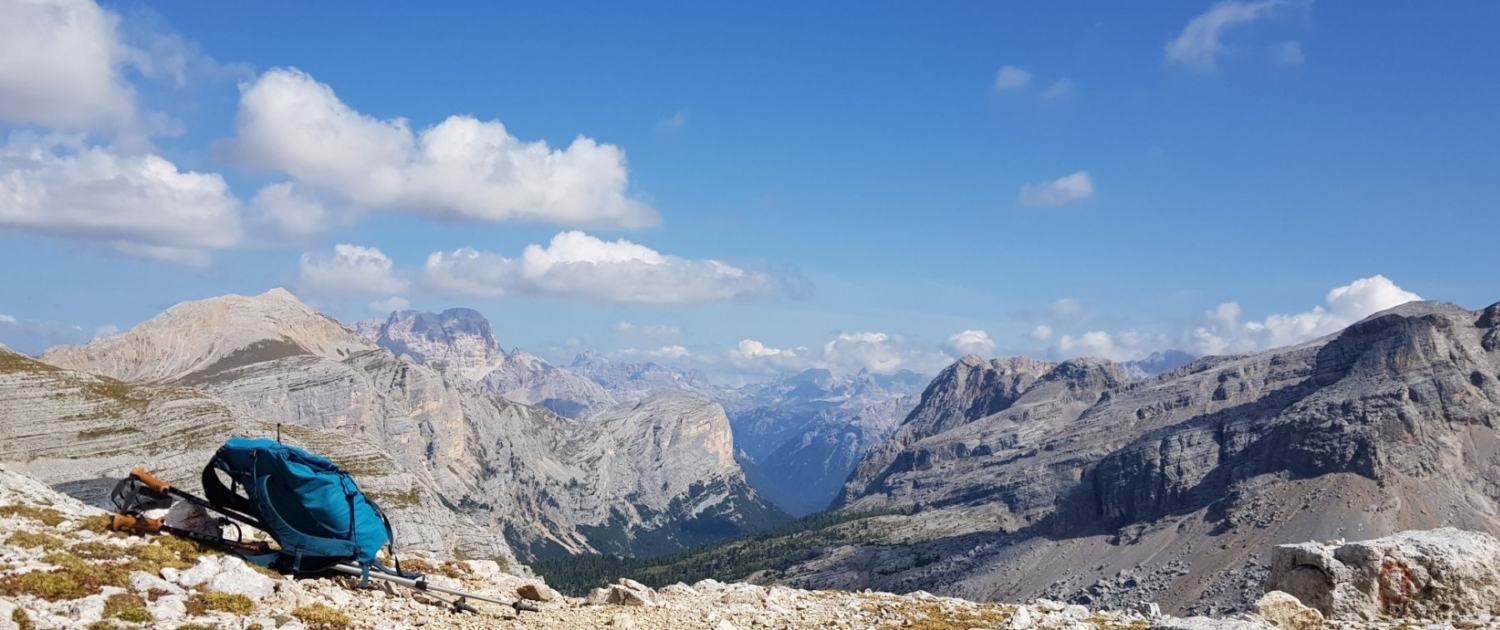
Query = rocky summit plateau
x=60 y=567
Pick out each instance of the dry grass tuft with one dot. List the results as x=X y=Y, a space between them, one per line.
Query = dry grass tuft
x=127 y=607
x=98 y=524
x=933 y=616
x=34 y=540
x=320 y=617
x=95 y=550
x=22 y=619
x=47 y=516
x=228 y=602
x=49 y=585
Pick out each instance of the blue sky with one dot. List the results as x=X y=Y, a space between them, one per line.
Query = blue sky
x=859 y=171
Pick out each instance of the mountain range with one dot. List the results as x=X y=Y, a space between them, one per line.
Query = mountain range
x=1017 y=478
x=797 y=438
x=652 y=475
x=1086 y=480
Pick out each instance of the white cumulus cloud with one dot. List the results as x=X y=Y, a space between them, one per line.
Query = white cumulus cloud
x=290 y=211
x=846 y=353
x=1222 y=331
x=349 y=270
x=971 y=342
x=1119 y=346
x=8 y=320
x=576 y=265
x=1012 y=78
x=874 y=351
x=461 y=169
x=1042 y=332
x=1059 y=192
x=60 y=65
x=756 y=357
x=1200 y=44
x=137 y=205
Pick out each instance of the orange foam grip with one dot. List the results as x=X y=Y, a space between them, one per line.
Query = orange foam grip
x=151 y=481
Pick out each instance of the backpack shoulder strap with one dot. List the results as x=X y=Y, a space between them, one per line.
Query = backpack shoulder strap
x=221 y=496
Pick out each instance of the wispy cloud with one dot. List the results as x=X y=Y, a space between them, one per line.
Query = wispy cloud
x=1059 y=90
x=1059 y=192
x=1200 y=44
x=649 y=330
x=1287 y=53
x=674 y=122
x=386 y=306
x=1012 y=78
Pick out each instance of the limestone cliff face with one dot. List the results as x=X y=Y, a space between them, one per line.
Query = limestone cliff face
x=625 y=481
x=1072 y=482
x=969 y=401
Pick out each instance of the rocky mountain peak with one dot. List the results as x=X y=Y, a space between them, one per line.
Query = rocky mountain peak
x=194 y=336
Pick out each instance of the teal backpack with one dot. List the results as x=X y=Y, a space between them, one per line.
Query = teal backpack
x=311 y=507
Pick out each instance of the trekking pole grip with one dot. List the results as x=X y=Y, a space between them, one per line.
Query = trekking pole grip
x=123 y=522
x=150 y=480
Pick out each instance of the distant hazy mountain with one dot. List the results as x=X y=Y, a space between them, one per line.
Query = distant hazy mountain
x=1156 y=363
x=462 y=341
x=459 y=338
x=631 y=381
x=648 y=477
x=800 y=436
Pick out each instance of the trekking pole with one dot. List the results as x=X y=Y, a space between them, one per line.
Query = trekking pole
x=422 y=585
x=150 y=481
x=144 y=525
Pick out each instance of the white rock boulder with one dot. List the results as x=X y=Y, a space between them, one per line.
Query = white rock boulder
x=1438 y=574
